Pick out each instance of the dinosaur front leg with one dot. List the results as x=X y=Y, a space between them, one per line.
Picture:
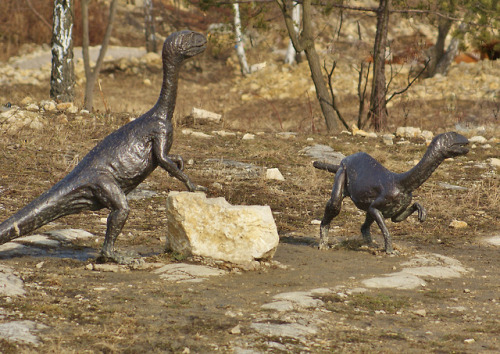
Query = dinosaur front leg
x=332 y=208
x=172 y=168
x=379 y=218
x=422 y=214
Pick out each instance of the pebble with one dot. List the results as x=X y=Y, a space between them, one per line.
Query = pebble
x=494 y=162
x=274 y=174
x=248 y=136
x=477 y=139
x=458 y=224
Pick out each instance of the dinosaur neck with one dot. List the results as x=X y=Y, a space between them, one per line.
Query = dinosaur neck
x=415 y=177
x=168 y=94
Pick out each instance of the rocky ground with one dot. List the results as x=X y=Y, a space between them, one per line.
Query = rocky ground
x=439 y=294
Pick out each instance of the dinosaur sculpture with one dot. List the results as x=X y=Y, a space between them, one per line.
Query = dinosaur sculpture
x=380 y=192
x=119 y=163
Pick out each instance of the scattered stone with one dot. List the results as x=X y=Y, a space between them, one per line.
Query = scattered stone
x=315 y=222
x=323 y=153
x=458 y=224
x=300 y=299
x=359 y=132
x=201 y=135
x=257 y=67
x=64 y=106
x=286 y=135
x=182 y=272
x=21 y=331
x=38 y=240
x=211 y=227
x=493 y=161
x=32 y=107
x=48 y=106
x=70 y=235
x=427 y=135
x=13 y=249
x=402 y=281
x=408 y=132
x=275 y=174
x=280 y=306
x=478 y=139
x=495 y=240
x=290 y=330
x=439 y=272
x=141 y=193
x=201 y=115
x=10 y=284
x=388 y=139
x=469 y=341
x=223 y=133
x=235 y=330
x=27 y=101
x=112 y=268
x=248 y=136
x=421 y=312
x=451 y=186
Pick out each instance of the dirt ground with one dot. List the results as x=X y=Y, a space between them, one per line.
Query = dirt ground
x=134 y=310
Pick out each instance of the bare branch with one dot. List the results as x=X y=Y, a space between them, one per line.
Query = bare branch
x=37 y=14
x=410 y=82
x=332 y=95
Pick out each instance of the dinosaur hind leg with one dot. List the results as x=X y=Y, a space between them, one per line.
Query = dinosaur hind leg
x=365 y=229
x=333 y=206
x=379 y=218
x=111 y=196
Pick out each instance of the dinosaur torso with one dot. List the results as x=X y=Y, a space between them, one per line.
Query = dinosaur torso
x=367 y=181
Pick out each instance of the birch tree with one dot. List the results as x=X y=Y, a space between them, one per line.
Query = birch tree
x=240 y=49
x=91 y=74
x=62 y=77
x=291 y=56
x=149 y=26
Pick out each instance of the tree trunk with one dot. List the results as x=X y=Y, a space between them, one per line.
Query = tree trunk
x=437 y=51
x=304 y=41
x=240 y=49
x=377 y=113
x=62 y=77
x=149 y=26
x=92 y=74
x=292 y=56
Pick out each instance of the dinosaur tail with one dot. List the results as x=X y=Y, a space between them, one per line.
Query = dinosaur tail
x=46 y=208
x=326 y=166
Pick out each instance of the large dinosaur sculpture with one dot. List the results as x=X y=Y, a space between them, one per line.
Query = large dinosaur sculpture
x=380 y=192
x=118 y=163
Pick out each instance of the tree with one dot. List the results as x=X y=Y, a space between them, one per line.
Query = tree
x=304 y=41
x=149 y=26
x=92 y=74
x=377 y=113
x=240 y=49
x=291 y=55
x=62 y=77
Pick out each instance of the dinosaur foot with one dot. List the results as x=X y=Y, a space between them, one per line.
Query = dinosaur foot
x=125 y=258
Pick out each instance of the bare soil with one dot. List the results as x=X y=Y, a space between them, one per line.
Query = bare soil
x=137 y=311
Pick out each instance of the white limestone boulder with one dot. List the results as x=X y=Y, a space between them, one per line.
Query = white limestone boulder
x=211 y=227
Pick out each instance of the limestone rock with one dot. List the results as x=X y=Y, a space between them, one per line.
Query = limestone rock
x=324 y=153
x=478 y=139
x=494 y=162
x=274 y=173
x=248 y=136
x=458 y=224
x=201 y=115
x=214 y=228
x=408 y=132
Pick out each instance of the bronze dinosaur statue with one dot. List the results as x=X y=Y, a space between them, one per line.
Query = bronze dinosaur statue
x=380 y=192
x=119 y=163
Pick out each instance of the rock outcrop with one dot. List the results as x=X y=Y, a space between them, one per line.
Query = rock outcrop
x=211 y=227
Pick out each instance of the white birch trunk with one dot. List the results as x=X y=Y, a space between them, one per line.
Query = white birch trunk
x=240 y=50
x=149 y=26
x=62 y=77
x=291 y=53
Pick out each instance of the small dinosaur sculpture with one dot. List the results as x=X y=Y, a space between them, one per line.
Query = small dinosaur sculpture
x=380 y=192
x=119 y=163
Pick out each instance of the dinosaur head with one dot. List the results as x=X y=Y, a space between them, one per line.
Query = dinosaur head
x=451 y=144
x=182 y=45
